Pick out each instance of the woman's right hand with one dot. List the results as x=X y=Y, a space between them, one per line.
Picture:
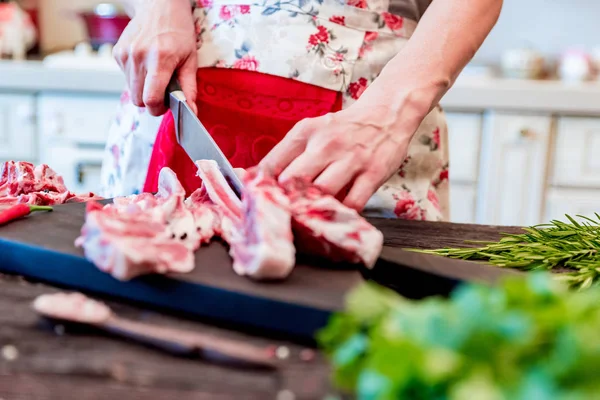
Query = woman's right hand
x=159 y=40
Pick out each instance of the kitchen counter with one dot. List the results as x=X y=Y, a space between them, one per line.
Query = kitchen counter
x=35 y=76
x=36 y=362
x=469 y=92
x=474 y=93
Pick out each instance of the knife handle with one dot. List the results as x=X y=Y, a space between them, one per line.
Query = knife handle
x=187 y=343
x=173 y=86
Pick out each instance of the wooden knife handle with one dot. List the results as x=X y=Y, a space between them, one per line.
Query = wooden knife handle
x=188 y=343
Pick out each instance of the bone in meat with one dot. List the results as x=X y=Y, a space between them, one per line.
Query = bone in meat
x=262 y=243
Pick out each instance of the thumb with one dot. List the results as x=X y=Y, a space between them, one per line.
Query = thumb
x=188 y=81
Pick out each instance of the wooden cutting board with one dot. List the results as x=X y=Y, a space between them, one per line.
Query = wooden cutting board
x=41 y=247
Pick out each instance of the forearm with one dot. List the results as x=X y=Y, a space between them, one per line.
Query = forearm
x=445 y=40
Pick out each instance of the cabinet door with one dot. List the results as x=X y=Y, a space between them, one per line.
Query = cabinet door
x=573 y=202
x=76 y=118
x=17 y=127
x=576 y=161
x=79 y=166
x=514 y=158
x=464 y=135
x=462 y=203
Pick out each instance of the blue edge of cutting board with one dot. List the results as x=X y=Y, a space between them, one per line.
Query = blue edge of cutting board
x=76 y=273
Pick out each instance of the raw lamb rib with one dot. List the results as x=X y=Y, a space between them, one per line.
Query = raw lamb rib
x=324 y=227
x=142 y=234
x=128 y=242
x=159 y=233
x=259 y=229
x=22 y=182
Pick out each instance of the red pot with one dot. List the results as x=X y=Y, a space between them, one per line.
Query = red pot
x=104 y=27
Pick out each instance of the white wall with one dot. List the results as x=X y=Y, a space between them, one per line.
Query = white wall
x=549 y=26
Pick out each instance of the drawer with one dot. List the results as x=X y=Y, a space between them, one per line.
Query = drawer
x=572 y=202
x=76 y=118
x=464 y=136
x=463 y=198
x=576 y=154
x=17 y=127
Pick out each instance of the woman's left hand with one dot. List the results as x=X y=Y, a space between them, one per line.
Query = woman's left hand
x=352 y=151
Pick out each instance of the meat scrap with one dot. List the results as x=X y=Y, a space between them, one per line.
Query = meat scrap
x=325 y=227
x=23 y=183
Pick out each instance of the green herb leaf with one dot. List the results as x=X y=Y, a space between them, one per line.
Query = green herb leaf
x=522 y=339
x=565 y=248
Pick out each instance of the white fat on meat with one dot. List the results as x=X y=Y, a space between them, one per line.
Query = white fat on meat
x=207 y=220
x=324 y=227
x=262 y=242
x=218 y=188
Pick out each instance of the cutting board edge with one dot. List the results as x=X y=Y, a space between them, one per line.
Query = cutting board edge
x=160 y=290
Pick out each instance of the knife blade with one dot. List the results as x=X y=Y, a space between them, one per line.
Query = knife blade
x=418 y=275
x=193 y=136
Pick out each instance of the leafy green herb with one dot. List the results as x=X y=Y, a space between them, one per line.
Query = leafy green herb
x=524 y=339
x=571 y=249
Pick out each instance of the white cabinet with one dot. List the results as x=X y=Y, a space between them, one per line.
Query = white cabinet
x=463 y=200
x=76 y=118
x=73 y=130
x=464 y=136
x=513 y=168
x=79 y=166
x=577 y=153
x=17 y=127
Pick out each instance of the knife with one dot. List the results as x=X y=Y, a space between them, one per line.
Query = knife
x=193 y=136
x=76 y=310
x=418 y=275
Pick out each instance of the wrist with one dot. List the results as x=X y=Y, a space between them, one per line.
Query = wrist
x=400 y=105
x=399 y=111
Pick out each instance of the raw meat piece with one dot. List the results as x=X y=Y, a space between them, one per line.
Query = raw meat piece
x=22 y=182
x=262 y=242
x=325 y=227
x=130 y=242
x=45 y=179
x=142 y=234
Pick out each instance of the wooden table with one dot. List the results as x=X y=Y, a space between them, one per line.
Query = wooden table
x=39 y=363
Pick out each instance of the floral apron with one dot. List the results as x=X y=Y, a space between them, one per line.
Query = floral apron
x=336 y=45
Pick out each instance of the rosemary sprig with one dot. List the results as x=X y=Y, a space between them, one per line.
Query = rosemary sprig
x=572 y=250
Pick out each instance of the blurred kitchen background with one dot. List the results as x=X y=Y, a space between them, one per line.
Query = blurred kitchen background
x=524 y=117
